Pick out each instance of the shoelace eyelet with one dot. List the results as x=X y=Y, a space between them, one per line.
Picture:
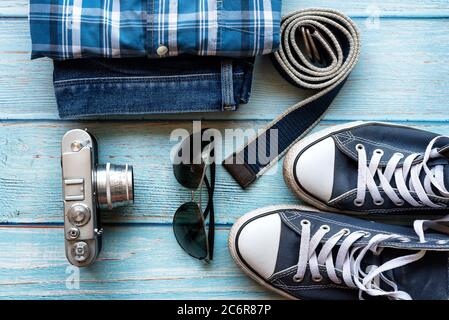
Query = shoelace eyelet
x=346 y=231
x=404 y=240
x=379 y=151
x=399 y=154
x=297 y=279
x=367 y=234
x=379 y=202
x=317 y=279
x=400 y=203
x=358 y=203
x=360 y=146
x=305 y=222
x=325 y=227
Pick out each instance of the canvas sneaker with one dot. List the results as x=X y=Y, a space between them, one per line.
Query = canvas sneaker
x=301 y=253
x=377 y=169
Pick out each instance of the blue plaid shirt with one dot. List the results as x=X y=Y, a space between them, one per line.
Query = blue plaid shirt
x=71 y=29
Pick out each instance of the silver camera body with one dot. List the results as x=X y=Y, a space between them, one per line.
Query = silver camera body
x=89 y=187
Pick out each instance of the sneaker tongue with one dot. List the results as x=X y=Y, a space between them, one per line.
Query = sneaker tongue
x=445 y=164
x=440 y=162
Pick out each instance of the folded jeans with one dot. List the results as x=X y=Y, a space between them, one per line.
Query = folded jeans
x=137 y=86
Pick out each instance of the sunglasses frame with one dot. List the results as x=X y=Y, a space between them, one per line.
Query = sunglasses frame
x=206 y=154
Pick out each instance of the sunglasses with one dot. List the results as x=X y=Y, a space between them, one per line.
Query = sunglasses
x=189 y=221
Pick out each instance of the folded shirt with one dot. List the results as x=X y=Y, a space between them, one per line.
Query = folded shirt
x=72 y=29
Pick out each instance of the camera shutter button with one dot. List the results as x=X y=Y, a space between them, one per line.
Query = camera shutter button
x=79 y=214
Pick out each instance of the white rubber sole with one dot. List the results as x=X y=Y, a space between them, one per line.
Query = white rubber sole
x=304 y=144
x=233 y=250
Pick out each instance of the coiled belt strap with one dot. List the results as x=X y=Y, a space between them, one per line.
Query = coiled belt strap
x=319 y=49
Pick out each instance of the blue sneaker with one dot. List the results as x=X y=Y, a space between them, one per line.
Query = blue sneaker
x=301 y=253
x=377 y=169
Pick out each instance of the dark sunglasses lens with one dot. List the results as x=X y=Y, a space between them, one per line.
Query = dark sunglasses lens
x=189 y=176
x=189 y=230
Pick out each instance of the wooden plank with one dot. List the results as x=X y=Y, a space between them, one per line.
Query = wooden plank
x=30 y=171
x=13 y=8
x=137 y=262
x=402 y=75
x=419 y=8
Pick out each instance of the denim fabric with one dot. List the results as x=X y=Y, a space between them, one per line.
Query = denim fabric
x=94 y=87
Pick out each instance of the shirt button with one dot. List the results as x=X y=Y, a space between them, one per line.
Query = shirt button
x=162 y=51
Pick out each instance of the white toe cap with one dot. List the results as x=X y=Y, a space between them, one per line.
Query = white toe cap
x=258 y=244
x=315 y=169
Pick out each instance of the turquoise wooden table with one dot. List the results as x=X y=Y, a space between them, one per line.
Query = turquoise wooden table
x=403 y=76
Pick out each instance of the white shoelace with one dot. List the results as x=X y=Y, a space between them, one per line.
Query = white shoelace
x=434 y=177
x=350 y=255
x=349 y=259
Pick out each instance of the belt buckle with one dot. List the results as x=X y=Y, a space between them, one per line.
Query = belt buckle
x=310 y=45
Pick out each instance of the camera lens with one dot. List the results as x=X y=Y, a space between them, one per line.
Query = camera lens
x=115 y=187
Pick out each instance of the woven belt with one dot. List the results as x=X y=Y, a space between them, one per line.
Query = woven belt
x=319 y=49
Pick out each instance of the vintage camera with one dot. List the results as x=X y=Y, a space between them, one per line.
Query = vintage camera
x=88 y=188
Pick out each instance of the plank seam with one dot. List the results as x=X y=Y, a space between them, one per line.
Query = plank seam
x=173 y=121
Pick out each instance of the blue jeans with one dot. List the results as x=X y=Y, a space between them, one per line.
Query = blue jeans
x=136 y=86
